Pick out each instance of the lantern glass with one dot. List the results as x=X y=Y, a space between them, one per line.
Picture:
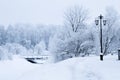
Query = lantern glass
x=96 y=22
x=104 y=22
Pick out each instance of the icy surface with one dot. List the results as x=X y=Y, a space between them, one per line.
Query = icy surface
x=87 y=68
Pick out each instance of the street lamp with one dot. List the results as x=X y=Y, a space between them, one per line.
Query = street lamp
x=100 y=21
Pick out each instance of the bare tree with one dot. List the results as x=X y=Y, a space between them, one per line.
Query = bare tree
x=75 y=17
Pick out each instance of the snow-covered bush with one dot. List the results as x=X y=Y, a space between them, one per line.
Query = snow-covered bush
x=15 y=48
x=4 y=54
x=39 y=48
x=67 y=45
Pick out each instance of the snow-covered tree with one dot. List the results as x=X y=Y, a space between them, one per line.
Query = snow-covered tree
x=109 y=31
x=2 y=35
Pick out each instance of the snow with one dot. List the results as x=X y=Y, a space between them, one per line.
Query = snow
x=10 y=70
x=81 y=68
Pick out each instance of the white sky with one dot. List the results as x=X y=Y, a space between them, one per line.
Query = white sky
x=47 y=11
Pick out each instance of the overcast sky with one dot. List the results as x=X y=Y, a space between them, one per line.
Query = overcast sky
x=47 y=11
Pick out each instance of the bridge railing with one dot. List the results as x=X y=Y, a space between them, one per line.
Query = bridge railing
x=34 y=59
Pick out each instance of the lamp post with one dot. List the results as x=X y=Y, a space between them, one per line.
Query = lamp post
x=100 y=21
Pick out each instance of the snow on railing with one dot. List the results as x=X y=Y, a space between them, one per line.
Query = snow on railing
x=37 y=59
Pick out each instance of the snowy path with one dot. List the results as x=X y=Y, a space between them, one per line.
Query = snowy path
x=62 y=71
x=81 y=71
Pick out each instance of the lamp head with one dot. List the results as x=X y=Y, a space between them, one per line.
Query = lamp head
x=104 y=22
x=96 y=22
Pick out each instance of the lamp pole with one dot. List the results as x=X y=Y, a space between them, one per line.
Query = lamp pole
x=101 y=17
x=102 y=22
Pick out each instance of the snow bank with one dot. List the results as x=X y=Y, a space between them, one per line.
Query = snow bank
x=11 y=69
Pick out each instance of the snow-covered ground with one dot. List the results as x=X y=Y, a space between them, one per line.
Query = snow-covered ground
x=87 y=68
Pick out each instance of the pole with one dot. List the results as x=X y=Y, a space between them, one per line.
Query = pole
x=101 y=54
x=118 y=54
